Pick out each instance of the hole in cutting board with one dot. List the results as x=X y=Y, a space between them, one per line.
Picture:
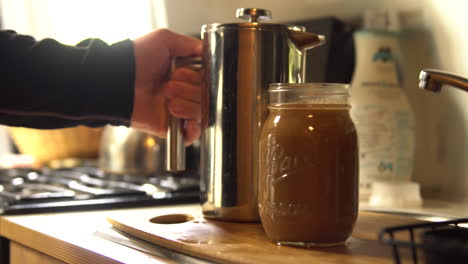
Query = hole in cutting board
x=171 y=219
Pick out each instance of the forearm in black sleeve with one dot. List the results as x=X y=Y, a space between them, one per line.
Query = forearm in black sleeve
x=50 y=85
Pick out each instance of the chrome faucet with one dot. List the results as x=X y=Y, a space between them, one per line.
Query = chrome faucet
x=433 y=80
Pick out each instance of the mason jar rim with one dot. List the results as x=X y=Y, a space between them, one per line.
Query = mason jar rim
x=316 y=88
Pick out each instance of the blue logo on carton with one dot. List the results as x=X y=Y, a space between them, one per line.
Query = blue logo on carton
x=383 y=54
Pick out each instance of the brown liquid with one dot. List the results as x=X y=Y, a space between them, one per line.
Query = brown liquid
x=308 y=175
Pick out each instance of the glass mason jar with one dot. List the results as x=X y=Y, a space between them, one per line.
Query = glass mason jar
x=308 y=173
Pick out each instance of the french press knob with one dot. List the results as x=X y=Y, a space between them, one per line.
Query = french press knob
x=253 y=14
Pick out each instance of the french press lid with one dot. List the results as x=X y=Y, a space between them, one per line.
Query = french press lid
x=254 y=16
x=303 y=40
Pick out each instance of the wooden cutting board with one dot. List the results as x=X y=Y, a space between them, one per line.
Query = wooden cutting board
x=228 y=242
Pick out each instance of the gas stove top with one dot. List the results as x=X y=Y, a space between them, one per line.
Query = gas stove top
x=88 y=188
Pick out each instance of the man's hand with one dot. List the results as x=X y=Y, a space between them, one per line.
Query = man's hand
x=158 y=92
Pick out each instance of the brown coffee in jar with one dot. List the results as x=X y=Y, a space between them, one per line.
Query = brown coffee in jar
x=308 y=173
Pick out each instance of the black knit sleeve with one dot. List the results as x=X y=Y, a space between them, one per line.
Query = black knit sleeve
x=45 y=84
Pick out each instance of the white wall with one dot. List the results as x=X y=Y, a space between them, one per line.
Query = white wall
x=71 y=21
x=444 y=163
x=441 y=161
x=188 y=16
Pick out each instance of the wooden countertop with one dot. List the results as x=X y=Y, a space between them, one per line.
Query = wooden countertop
x=70 y=237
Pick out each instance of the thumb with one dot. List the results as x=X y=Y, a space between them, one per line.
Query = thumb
x=182 y=45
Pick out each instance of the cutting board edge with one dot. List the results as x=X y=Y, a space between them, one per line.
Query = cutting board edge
x=160 y=241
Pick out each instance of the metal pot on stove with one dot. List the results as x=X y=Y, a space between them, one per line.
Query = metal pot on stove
x=125 y=150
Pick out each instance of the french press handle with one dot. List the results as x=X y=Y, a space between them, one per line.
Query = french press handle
x=175 y=149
